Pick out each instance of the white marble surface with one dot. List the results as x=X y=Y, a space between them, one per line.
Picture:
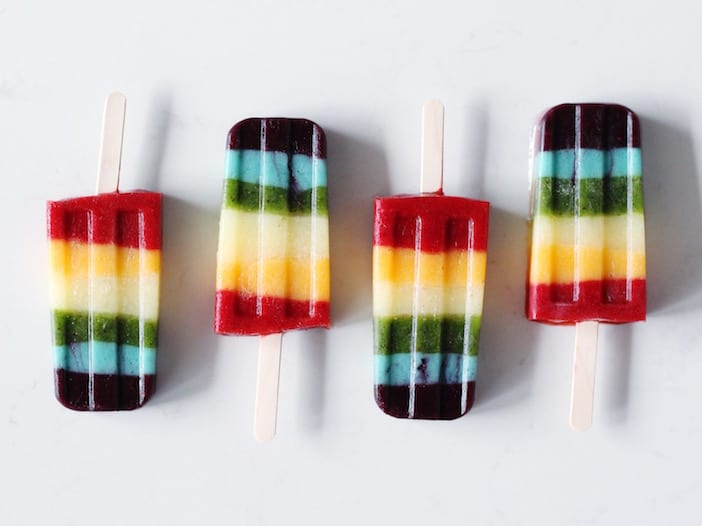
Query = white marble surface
x=362 y=70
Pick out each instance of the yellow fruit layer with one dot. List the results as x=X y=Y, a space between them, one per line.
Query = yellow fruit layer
x=402 y=265
x=73 y=258
x=407 y=282
x=104 y=278
x=565 y=250
x=297 y=279
x=274 y=255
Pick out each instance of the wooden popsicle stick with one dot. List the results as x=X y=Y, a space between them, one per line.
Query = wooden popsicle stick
x=111 y=143
x=583 y=375
x=432 y=173
x=268 y=376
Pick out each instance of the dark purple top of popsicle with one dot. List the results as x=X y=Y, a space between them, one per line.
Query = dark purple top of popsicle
x=591 y=125
x=296 y=136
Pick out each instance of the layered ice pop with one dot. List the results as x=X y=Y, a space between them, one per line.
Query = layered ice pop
x=588 y=259
x=104 y=253
x=273 y=254
x=105 y=264
x=429 y=259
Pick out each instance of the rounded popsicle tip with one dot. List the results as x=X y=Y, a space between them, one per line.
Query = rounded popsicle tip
x=433 y=105
x=594 y=125
x=115 y=97
x=279 y=134
x=578 y=423
x=264 y=434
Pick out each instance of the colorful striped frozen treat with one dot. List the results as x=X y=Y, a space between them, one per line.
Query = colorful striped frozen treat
x=429 y=259
x=104 y=254
x=273 y=255
x=588 y=259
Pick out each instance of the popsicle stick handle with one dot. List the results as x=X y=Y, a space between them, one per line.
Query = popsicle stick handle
x=583 y=375
x=111 y=143
x=266 y=412
x=432 y=147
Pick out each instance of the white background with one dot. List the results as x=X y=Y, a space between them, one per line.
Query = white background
x=360 y=69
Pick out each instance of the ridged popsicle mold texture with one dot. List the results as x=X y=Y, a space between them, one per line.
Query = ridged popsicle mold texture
x=588 y=255
x=273 y=255
x=105 y=258
x=429 y=259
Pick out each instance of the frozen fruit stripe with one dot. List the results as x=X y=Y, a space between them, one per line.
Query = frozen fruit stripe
x=287 y=252
x=104 y=254
x=273 y=256
x=278 y=165
x=607 y=182
x=588 y=245
x=287 y=184
x=429 y=261
x=593 y=247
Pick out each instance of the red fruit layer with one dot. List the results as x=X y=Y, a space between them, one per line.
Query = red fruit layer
x=445 y=223
x=605 y=301
x=131 y=219
x=237 y=313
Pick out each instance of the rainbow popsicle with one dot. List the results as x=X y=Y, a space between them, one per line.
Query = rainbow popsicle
x=273 y=255
x=588 y=256
x=429 y=259
x=105 y=253
x=105 y=264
